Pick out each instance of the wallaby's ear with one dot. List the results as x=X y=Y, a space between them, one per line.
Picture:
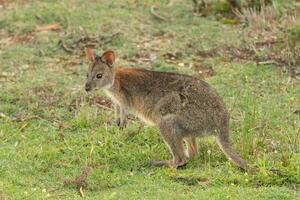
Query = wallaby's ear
x=108 y=57
x=90 y=54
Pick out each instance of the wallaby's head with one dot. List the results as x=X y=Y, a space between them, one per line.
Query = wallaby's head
x=101 y=72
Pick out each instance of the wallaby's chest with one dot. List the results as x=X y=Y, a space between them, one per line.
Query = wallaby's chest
x=138 y=106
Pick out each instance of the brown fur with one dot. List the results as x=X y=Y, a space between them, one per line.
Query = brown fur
x=182 y=106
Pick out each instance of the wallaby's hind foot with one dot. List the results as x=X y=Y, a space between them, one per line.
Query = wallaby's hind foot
x=160 y=163
x=168 y=163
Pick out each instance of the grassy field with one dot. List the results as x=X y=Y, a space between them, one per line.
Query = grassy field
x=56 y=138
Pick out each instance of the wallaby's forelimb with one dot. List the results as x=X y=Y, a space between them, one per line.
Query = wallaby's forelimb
x=120 y=116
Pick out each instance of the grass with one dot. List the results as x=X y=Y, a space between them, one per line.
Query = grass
x=45 y=141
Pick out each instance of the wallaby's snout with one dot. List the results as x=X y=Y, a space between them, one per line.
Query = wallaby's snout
x=88 y=87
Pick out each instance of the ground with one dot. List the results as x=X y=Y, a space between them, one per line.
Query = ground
x=58 y=142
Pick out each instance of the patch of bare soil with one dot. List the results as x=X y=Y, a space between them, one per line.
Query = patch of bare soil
x=149 y=49
x=203 y=71
x=260 y=52
x=142 y=58
x=266 y=38
x=76 y=45
x=46 y=94
x=19 y=39
x=5 y=3
x=29 y=37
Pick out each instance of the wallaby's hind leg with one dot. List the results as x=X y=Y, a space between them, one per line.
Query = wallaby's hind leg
x=174 y=141
x=192 y=149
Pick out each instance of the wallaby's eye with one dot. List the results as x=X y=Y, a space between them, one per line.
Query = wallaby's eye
x=98 y=76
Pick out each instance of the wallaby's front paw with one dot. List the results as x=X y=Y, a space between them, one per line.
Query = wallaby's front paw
x=120 y=123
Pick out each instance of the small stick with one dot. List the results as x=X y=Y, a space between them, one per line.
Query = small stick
x=116 y=34
x=268 y=62
x=104 y=107
x=64 y=46
x=156 y=15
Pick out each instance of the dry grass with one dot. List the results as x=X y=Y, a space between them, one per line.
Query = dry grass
x=255 y=18
x=267 y=19
x=267 y=35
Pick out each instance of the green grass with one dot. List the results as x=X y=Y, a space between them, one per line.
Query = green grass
x=38 y=84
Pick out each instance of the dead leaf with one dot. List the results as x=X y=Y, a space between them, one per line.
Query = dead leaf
x=61 y=128
x=172 y=56
x=81 y=192
x=181 y=64
x=2 y=115
x=204 y=183
x=50 y=27
x=297 y=112
x=203 y=71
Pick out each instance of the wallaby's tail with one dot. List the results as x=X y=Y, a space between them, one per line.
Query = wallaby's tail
x=224 y=144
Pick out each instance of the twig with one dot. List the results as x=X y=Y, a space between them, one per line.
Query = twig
x=268 y=62
x=81 y=181
x=156 y=15
x=87 y=40
x=116 y=34
x=64 y=46
x=104 y=107
x=26 y=118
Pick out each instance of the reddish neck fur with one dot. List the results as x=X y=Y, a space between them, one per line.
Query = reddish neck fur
x=124 y=75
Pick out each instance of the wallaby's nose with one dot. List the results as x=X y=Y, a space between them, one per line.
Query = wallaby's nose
x=87 y=87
